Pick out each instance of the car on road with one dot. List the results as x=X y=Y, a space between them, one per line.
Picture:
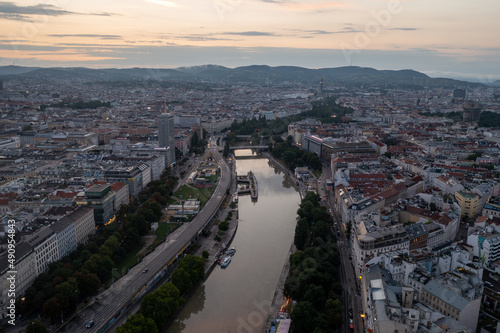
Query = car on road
x=90 y=324
x=145 y=271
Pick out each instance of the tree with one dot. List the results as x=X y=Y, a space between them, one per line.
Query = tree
x=303 y=316
x=36 y=326
x=195 y=266
x=223 y=226
x=182 y=280
x=205 y=254
x=52 y=309
x=316 y=295
x=88 y=283
x=161 y=304
x=301 y=234
x=137 y=323
x=334 y=310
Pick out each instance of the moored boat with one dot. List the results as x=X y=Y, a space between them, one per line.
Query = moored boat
x=225 y=262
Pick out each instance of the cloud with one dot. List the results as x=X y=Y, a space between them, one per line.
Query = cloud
x=404 y=29
x=249 y=33
x=11 y=11
x=88 y=36
x=40 y=9
x=345 y=30
x=163 y=3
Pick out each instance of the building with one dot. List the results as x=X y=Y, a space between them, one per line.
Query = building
x=131 y=175
x=492 y=207
x=122 y=196
x=447 y=185
x=418 y=235
x=370 y=241
x=186 y=121
x=472 y=111
x=84 y=223
x=44 y=244
x=166 y=137
x=312 y=144
x=26 y=274
x=102 y=199
x=27 y=139
x=446 y=300
x=66 y=236
x=468 y=202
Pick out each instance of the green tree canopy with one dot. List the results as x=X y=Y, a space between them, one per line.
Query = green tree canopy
x=137 y=323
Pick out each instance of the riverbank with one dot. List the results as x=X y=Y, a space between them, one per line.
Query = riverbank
x=278 y=297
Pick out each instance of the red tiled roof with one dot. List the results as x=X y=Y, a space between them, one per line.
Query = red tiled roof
x=117 y=186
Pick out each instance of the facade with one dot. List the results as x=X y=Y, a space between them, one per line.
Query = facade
x=418 y=235
x=312 y=144
x=132 y=176
x=447 y=185
x=468 y=202
x=447 y=301
x=102 y=199
x=84 y=223
x=166 y=137
x=44 y=244
x=121 y=194
x=26 y=274
x=472 y=111
x=186 y=121
x=369 y=242
x=492 y=207
x=146 y=174
x=66 y=236
x=182 y=142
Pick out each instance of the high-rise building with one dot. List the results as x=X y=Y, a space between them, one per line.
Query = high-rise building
x=472 y=111
x=166 y=137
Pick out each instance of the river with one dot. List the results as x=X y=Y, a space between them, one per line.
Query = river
x=236 y=299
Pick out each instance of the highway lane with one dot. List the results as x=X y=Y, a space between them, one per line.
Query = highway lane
x=122 y=291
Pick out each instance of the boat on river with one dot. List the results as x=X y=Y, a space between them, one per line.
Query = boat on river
x=225 y=262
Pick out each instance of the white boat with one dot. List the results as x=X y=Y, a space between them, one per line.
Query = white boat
x=231 y=251
x=225 y=262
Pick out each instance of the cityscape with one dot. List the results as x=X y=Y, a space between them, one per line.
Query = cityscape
x=258 y=166
x=124 y=201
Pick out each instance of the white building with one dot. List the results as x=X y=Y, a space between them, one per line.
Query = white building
x=44 y=244
x=66 y=236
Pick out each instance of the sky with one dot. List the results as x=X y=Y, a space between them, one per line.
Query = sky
x=442 y=38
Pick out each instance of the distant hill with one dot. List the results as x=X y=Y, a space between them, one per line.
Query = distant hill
x=351 y=75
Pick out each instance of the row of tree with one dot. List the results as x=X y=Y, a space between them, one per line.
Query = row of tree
x=198 y=145
x=81 y=274
x=313 y=279
x=293 y=156
x=157 y=308
x=327 y=111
